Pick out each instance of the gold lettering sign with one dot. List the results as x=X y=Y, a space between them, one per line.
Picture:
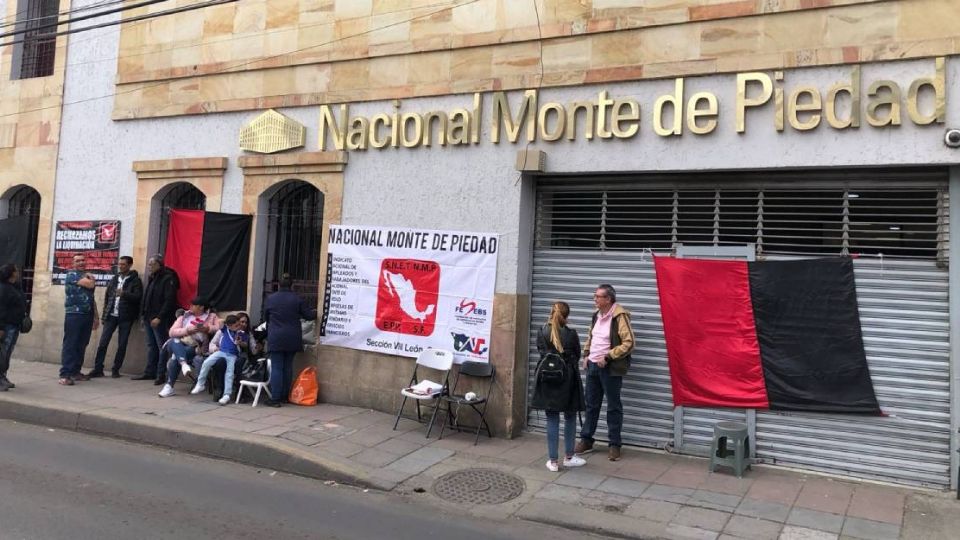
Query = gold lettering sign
x=520 y=118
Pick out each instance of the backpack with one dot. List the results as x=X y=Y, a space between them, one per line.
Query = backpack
x=552 y=369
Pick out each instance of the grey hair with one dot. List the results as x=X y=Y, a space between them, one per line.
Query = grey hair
x=611 y=292
x=156 y=257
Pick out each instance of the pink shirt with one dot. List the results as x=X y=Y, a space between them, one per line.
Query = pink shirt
x=600 y=337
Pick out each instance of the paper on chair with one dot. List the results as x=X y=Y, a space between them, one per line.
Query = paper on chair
x=425 y=388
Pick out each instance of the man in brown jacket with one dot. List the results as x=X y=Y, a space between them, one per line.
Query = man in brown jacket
x=606 y=358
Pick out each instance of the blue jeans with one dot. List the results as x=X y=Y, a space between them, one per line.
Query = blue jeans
x=77 y=328
x=178 y=353
x=109 y=327
x=10 y=334
x=155 y=338
x=208 y=364
x=553 y=433
x=281 y=374
x=601 y=383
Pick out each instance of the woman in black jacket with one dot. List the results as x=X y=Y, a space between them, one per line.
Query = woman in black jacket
x=13 y=308
x=558 y=387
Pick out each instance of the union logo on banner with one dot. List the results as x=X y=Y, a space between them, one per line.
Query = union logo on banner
x=407 y=296
x=107 y=233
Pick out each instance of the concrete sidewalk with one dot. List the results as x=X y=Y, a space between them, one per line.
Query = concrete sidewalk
x=645 y=495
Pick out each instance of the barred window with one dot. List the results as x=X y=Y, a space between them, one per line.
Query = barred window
x=34 y=54
x=25 y=201
x=294 y=233
x=181 y=196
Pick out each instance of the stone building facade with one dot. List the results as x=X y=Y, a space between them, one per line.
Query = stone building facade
x=756 y=99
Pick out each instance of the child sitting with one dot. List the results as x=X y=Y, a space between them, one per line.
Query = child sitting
x=225 y=344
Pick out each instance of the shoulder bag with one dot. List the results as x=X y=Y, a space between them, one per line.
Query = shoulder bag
x=26 y=324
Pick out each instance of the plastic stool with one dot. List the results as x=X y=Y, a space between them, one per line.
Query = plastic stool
x=726 y=435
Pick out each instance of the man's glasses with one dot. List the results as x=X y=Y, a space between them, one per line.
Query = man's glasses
x=600 y=296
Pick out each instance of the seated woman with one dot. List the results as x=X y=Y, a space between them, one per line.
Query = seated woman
x=253 y=351
x=190 y=333
x=225 y=345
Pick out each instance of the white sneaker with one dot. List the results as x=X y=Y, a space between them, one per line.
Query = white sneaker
x=574 y=461
x=224 y=400
x=200 y=387
x=552 y=466
x=185 y=368
x=167 y=391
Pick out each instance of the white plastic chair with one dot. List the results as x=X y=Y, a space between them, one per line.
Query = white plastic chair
x=259 y=385
x=440 y=360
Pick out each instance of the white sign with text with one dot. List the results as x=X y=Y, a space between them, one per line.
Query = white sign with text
x=401 y=291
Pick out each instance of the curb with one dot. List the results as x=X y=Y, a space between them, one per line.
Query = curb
x=246 y=448
x=597 y=522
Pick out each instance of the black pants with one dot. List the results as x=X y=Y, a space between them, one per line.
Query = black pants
x=155 y=338
x=109 y=327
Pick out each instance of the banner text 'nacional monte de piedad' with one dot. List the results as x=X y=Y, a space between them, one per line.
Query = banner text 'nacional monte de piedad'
x=401 y=291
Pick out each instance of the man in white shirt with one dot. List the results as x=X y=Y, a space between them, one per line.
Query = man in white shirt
x=606 y=358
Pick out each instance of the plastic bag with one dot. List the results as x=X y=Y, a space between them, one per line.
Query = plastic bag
x=309 y=331
x=305 y=388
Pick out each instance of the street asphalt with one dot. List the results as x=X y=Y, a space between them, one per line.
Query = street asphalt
x=63 y=485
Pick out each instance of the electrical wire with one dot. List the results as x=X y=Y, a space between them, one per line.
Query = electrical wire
x=526 y=150
x=257 y=35
x=15 y=19
x=229 y=69
x=171 y=11
x=72 y=20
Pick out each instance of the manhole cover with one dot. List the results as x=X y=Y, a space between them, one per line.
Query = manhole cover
x=478 y=486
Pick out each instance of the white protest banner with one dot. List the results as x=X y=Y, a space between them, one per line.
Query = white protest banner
x=401 y=291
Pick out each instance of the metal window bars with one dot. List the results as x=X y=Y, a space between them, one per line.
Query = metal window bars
x=38 y=49
x=182 y=196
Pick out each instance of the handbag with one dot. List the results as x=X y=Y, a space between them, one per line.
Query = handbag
x=26 y=324
x=254 y=370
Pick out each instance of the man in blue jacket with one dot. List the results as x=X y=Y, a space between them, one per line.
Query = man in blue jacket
x=282 y=313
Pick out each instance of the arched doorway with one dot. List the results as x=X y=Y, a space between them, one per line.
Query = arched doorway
x=179 y=196
x=22 y=203
x=294 y=228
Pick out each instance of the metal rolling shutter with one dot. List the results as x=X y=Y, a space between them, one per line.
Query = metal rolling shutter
x=904 y=316
x=572 y=276
x=586 y=235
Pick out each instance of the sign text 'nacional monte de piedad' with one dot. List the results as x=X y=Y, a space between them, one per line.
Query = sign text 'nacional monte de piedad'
x=844 y=105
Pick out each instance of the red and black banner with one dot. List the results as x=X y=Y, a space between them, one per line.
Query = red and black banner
x=210 y=252
x=780 y=335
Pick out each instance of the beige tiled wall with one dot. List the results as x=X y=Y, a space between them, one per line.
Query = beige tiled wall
x=30 y=111
x=301 y=52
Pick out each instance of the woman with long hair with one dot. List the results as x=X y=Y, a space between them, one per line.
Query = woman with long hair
x=558 y=388
x=13 y=308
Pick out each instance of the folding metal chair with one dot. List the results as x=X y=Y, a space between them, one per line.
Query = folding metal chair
x=476 y=370
x=259 y=385
x=440 y=360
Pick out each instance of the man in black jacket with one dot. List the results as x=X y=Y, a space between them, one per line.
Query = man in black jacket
x=121 y=307
x=159 y=308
